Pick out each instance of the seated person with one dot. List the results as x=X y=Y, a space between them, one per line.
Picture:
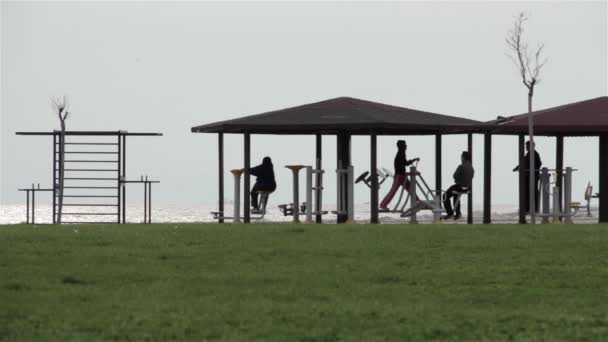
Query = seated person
x=399 y=179
x=264 y=182
x=463 y=177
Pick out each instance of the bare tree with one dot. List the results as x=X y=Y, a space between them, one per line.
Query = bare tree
x=529 y=65
x=60 y=107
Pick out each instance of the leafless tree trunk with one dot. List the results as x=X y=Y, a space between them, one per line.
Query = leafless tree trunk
x=529 y=66
x=61 y=108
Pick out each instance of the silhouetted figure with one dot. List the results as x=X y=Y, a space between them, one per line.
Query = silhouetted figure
x=463 y=177
x=264 y=182
x=399 y=179
x=537 y=165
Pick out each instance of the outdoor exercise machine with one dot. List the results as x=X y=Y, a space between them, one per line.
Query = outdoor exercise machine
x=88 y=187
x=236 y=218
x=306 y=208
x=429 y=200
x=588 y=196
x=570 y=209
x=366 y=178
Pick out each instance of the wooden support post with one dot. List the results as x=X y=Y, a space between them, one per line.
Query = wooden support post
x=374 y=174
x=487 y=178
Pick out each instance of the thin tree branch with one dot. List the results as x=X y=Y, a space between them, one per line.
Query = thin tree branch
x=528 y=65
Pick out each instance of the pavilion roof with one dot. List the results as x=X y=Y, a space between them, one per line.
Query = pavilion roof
x=584 y=118
x=344 y=115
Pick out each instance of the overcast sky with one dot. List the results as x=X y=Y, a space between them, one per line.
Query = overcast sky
x=165 y=67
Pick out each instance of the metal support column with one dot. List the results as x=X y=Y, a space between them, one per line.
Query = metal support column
x=350 y=179
x=146 y=200
x=296 y=195
x=567 y=212
x=123 y=154
x=33 y=205
x=247 y=180
x=54 y=183
x=470 y=198
x=487 y=178
x=522 y=180
x=343 y=156
x=545 y=193
x=319 y=182
x=220 y=171
x=149 y=202
x=438 y=166
x=559 y=165
x=374 y=174
x=118 y=179
x=309 y=191
x=237 y=195
x=413 y=195
x=27 y=207
x=603 y=181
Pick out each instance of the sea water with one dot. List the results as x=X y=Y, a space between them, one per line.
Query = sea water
x=15 y=214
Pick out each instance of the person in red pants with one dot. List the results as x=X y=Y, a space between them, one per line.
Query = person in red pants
x=399 y=179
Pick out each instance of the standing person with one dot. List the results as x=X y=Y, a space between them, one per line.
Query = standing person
x=399 y=179
x=463 y=177
x=537 y=164
x=264 y=182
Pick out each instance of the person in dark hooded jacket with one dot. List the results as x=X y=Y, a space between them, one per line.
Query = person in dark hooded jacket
x=463 y=179
x=537 y=165
x=264 y=182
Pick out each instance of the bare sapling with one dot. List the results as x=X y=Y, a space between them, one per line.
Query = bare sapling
x=529 y=64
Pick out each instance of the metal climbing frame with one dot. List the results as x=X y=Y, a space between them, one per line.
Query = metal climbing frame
x=94 y=176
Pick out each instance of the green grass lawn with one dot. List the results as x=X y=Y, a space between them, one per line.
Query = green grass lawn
x=304 y=283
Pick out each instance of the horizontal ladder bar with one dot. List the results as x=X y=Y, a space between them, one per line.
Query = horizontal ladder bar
x=91 y=196
x=88 y=143
x=96 y=170
x=89 y=214
x=36 y=189
x=89 y=205
x=90 y=187
x=91 y=161
x=83 y=152
x=86 y=178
